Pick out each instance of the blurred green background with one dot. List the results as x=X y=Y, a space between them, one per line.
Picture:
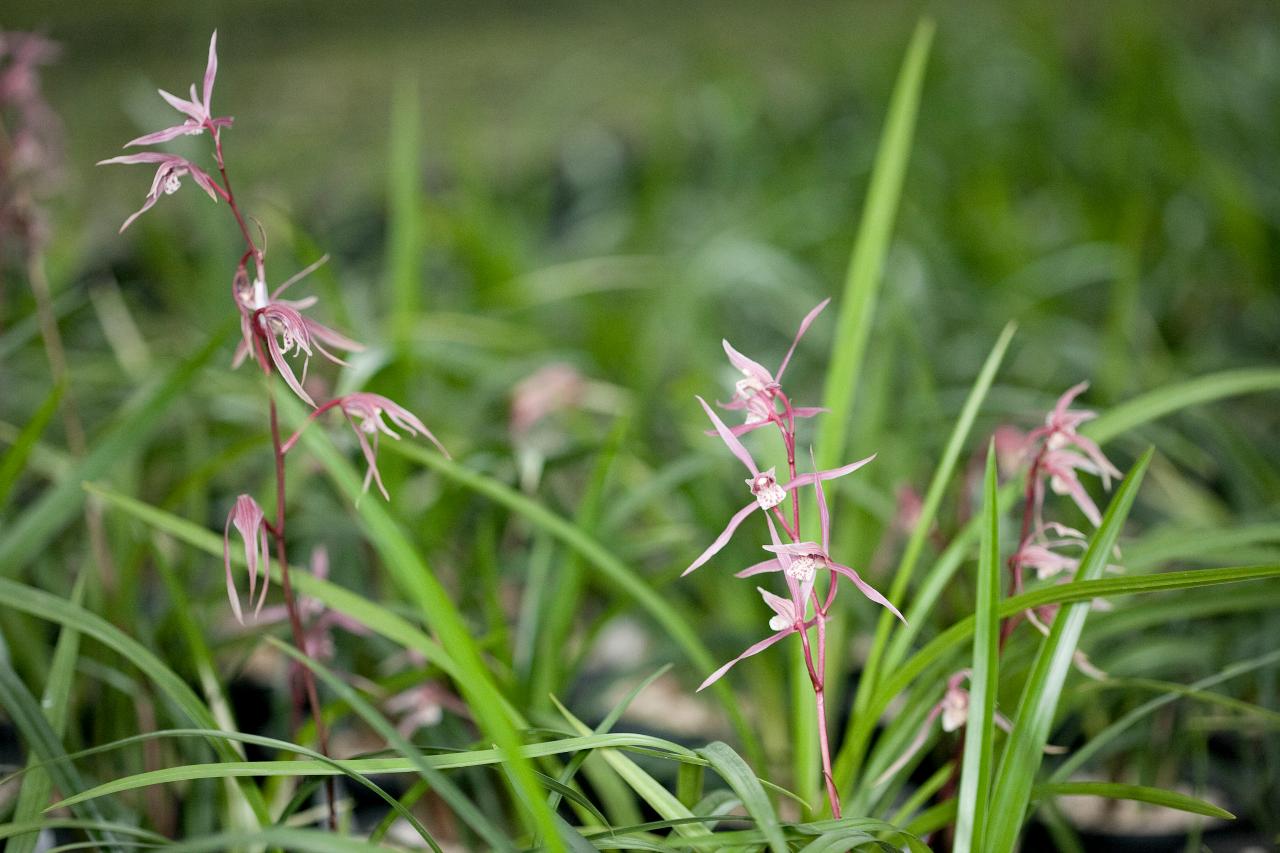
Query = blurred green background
x=618 y=186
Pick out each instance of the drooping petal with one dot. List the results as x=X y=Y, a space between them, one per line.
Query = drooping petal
x=731 y=441
x=824 y=514
x=286 y=371
x=867 y=589
x=754 y=649
x=161 y=135
x=804 y=327
x=247 y=518
x=723 y=539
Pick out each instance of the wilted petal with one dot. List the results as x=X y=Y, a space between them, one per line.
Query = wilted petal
x=867 y=589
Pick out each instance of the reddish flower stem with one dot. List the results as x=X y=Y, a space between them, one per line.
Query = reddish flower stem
x=291 y=605
x=817 y=670
x=1015 y=565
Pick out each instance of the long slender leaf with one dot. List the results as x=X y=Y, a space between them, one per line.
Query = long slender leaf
x=929 y=509
x=35 y=528
x=57 y=694
x=45 y=606
x=631 y=587
x=1039 y=703
x=1138 y=793
x=984 y=679
x=1171 y=398
x=442 y=785
x=735 y=771
x=13 y=462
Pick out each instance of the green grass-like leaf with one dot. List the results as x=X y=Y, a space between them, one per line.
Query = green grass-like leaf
x=984 y=680
x=1038 y=706
x=735 y=771
x=1139 y=793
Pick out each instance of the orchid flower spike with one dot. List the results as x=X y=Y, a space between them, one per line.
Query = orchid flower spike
x=800 y=561
x=765 y=489
x=758 y=390
x=368 y=409
x=787 y=619
x=168 y=180
x=248 y=519
x=198 y=110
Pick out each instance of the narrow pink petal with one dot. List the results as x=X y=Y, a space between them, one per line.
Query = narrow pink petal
x=266 y=571
x=735 y=446
x=750 y=367
x=721 y=540
x=751 y=650
x=371 y=457
x=332 y=338
x=759 y=568
x=808 y=411
x=160 y=136
x=285 y=371
x=1064 y=402
x=205 y=182
x=740 y=429
x=912 y=748
x=804 y=327
x=823 y=513
x=186 y=107
x=146 y=205
x=211 y=70
x=142 y=157
x=806 y=479
x=778 y=604
x=232 y=595
x=867 y=589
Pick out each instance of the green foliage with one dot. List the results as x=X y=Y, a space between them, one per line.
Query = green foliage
x=589 y=192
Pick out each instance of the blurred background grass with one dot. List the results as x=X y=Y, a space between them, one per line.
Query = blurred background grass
x=618 y=186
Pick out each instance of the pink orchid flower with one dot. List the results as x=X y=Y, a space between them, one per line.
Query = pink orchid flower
x=282 y=327
x=197 y=110
x=801 y=561
x=168 y=179
x=953 y=708
x=759 y=390
x=1066 y=451
x=787 y=619
x=251 y=523
x=369 y=409
x=423 y=706
x=766 y=491
x=318 y=636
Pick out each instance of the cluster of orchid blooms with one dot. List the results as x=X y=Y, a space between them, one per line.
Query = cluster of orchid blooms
x=275 y=333
x=274 y=330
x=760 y=396
x=1056 y=453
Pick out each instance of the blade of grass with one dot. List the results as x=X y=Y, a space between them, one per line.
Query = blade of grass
x=1025 y=749
x=57 y=694
x=1153 y=405
x=1138 y=793
x=735 y=771
x=421 y=585
x=447 y=791
x=45 y=606
x=631 y=587
x=984 y=680
x=16 y=459
x=32 y=531
x=929 y=510
x=404 y=218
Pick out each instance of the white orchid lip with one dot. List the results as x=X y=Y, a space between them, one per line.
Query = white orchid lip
x=766 y=489
x=805 y=568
